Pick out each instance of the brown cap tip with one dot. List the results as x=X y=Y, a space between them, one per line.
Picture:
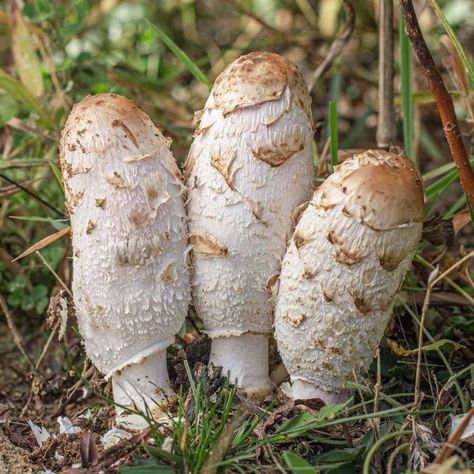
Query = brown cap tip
x=259 y=77
x=102 y=116
x=381 y=189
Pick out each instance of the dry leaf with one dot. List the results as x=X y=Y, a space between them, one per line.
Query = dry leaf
x=461 y=219
x=27 y=63
x=43 y=243
x=459 y=68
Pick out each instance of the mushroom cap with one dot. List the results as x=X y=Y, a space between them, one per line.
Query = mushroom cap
x=102 y=119
x=379 y=188
x=256 y=78
x=124 y=196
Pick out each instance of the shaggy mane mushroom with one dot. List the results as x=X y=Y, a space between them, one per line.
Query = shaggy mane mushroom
x=130 y=280
x=249 y=167
x=344 y=266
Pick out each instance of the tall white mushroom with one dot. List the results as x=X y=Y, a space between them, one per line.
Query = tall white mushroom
x=249 y=167
x=130 y=280
x=343 y=268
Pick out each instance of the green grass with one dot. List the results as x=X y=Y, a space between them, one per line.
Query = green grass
x=191 y=66
x=333 y=133
x=217 y=430
x=468 y=64
x=406 y=56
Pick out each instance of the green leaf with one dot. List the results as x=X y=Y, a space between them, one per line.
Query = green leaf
x=8 y=108
x=328 y=412
x=452 y=35
x=162 y=455
x=446 y=344
x=41 y=306
x=296 y=464
x=192 y=67
x=38 y=219
x=17 y=283
x=39 y=292
x=14 y=87
x=57 y=174
x=471 y=212
x=27 y=63
x=149 y=469
x=333 y=132
x=299 y=422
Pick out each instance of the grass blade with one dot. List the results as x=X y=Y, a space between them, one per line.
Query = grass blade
x=15 y=88
x=27 y=64
x=333 y=132
x=44 y=242
x=57 y=174
x=452 y=35
x=192 y=67
x=296 y=464
x=406 y=89
x=37 y=219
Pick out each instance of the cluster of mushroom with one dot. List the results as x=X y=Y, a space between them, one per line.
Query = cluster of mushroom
x=248 y=176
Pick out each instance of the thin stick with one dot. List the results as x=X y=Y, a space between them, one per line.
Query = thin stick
x=452 y=267
x=443 y=100
x=16 y=336
x=377 y=389
x=32 y=194
x=424 y=310
x=58 y=278
x=393 y=455
x=336 y=46
x=453 y=440
x=386 y=122
x=47 y=345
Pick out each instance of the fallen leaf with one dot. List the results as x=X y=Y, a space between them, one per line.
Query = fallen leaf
x=44 y=242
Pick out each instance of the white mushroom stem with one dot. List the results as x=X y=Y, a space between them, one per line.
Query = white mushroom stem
x=141 y=387
x=249 y=167
x=343 y=269
x=244 y=360
x=302 y=390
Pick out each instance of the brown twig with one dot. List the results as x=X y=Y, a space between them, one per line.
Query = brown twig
x=32 y=194
x=337 y=45
x=58 y=278
x=443 y=100
x=386 y=129
x=16 y=336
x=47 y=345
x=454 y=439
x=426 y=304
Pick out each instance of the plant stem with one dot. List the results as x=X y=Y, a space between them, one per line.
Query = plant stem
x=376 y=446
x=443 y=100
x=386 y=122
x=333 y=133
x=406 y=90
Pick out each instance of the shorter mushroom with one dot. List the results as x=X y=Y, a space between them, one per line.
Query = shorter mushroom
x=130 y=280
x=343 y=269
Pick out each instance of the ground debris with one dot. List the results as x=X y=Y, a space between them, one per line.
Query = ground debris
x=14 y=459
